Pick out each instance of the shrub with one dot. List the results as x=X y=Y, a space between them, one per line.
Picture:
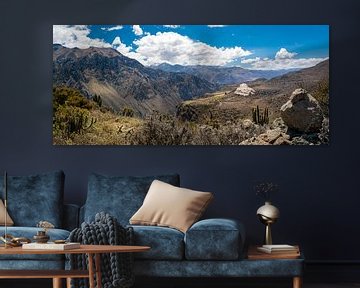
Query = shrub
x=68 y=120
x=160 y=129
x=63 y=95
x=127 y=112
x=321 y=94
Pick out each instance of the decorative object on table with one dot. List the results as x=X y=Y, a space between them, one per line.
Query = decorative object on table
x=255 y=254
x=41 y=236
x=11 y=241
x=268 y=213
x=116 y=268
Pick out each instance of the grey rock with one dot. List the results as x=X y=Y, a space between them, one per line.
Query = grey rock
x=282 y=141
x=278 y=123
x=302 y=112
x=254 y=141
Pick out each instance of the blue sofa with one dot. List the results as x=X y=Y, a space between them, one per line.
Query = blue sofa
x=210 y=248
x=32 y=199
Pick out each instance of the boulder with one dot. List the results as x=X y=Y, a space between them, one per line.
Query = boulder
x=278 y=123
x=244 y=90
x=302 y=112
x=270 y=137
x=247 y=124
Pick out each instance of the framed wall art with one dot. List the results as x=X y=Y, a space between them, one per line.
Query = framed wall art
x=190 y=84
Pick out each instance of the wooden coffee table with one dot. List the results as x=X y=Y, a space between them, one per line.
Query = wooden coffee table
x=92 y=251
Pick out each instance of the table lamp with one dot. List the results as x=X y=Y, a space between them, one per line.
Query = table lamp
x=268 y=214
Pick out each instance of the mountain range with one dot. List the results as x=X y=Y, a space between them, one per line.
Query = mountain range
x=222 y=75
x=124 y=82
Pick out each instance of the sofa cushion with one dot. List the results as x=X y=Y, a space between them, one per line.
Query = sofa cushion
x=165 y=243
x=29 y=232
x=214 y=239
x=35 y=198
x=170 y=206
x=119 y=196
x=9 y=221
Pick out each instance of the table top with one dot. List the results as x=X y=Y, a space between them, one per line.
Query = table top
x=91 y=249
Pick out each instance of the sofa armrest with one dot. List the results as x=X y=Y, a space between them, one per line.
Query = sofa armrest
x=71 y=216
x=215 y=239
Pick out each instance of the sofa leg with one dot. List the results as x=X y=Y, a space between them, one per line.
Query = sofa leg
x=297 y=282
x=57 y=283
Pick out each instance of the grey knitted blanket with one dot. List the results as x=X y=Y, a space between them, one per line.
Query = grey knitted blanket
x=116 y=268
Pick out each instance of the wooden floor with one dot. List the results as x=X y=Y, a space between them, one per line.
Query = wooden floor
x=45 y=283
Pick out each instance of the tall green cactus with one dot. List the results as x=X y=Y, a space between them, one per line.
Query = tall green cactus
x=260 y=117
x=97 y=99
x=79 y=122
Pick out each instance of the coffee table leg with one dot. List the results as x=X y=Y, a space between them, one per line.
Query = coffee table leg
x=91 y=270
x=297 y=282
x=57 y=283
x=98 y=270
x=68 y=282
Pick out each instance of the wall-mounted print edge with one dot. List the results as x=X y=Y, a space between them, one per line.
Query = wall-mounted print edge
x=190 y=84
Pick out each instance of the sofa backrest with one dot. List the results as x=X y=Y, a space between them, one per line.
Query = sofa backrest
x=35 y=198
x=119 y=196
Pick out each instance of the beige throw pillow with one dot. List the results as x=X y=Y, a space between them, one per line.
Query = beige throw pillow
x=9 y=221
x=170 y=206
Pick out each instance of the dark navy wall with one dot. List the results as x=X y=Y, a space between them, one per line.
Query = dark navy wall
x=319 y=196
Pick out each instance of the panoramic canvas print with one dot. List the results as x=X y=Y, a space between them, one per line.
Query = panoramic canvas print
x=190 y=84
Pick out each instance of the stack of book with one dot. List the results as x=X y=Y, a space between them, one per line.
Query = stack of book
x=274 y=252
x=51 y=246
x=279 y=249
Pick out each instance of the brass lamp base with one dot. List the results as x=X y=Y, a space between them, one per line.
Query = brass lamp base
x=268 y=237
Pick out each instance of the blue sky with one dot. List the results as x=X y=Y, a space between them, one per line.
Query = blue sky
x=264 y=47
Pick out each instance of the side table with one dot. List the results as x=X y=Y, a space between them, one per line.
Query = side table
x=92 y=251
x=255 y=255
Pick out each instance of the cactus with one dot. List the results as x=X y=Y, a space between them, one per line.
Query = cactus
x=69 y=120
x=79 y=122
x=128 y=112
x=97 y=99
x=259 y=117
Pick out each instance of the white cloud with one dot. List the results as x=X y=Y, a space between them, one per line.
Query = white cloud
x=76 y=36
x=114 y=28
x=284 y=54
x=171 y=26
x=216 y=26
x=119 y=46
x=137 y=30
x=173 y=48
x=250 y=60
x=282 y=60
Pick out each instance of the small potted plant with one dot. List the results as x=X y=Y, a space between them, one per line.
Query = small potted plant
x=265 y=190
